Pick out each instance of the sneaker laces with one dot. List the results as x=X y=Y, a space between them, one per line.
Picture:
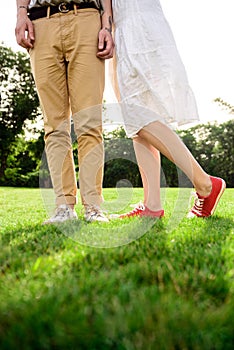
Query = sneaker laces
x=198 y=203
x=60 y=212
x=94 y=210
x=139 y=206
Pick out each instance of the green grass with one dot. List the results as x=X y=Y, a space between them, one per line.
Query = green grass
x=130 y=284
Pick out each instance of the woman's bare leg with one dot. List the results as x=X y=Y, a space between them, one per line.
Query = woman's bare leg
x=149 y=162
x=161 y=137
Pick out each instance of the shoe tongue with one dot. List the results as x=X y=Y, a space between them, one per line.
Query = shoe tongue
x=62 y=206
x=201 y=197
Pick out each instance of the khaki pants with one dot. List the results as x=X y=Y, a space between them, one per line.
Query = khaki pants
x=70 y=80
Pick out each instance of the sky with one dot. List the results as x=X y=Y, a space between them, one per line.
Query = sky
x=203 y=30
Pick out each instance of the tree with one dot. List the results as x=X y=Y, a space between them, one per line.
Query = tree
x=223 y=152
x=120 y=160
x=225 y=104
x=213 y=147
x=18 y=101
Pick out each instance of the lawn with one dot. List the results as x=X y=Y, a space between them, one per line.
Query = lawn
x=129 y=284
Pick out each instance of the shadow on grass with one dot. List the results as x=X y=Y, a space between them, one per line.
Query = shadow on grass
x=98 y=235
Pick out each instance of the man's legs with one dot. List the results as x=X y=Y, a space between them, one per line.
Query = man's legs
x=86 y=85
x=49 y=70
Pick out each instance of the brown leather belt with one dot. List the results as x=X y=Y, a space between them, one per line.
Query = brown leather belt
x=63 y=7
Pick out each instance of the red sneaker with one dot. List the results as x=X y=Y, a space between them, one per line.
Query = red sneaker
x=151 y=213
x=205 y=206
x=142 y=211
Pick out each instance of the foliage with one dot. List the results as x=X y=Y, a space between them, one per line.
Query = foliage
x=213 y=147
x=225 y=104
x=18 y=103
x=167 y=290
x=24 y=162
x=120 y=160
x=211 y=144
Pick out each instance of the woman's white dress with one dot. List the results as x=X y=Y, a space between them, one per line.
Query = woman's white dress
x=151 y=77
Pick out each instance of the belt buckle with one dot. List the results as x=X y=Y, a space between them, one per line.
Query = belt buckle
x=63 y=7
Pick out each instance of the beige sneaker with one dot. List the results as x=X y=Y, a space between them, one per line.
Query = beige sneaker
x=94 y=213
x=62 y=213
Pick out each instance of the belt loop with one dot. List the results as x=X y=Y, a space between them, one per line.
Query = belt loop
x=48 y=12
x=75 y=9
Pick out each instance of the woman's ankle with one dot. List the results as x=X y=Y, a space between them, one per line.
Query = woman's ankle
x=204 y=188
x=153 y=206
